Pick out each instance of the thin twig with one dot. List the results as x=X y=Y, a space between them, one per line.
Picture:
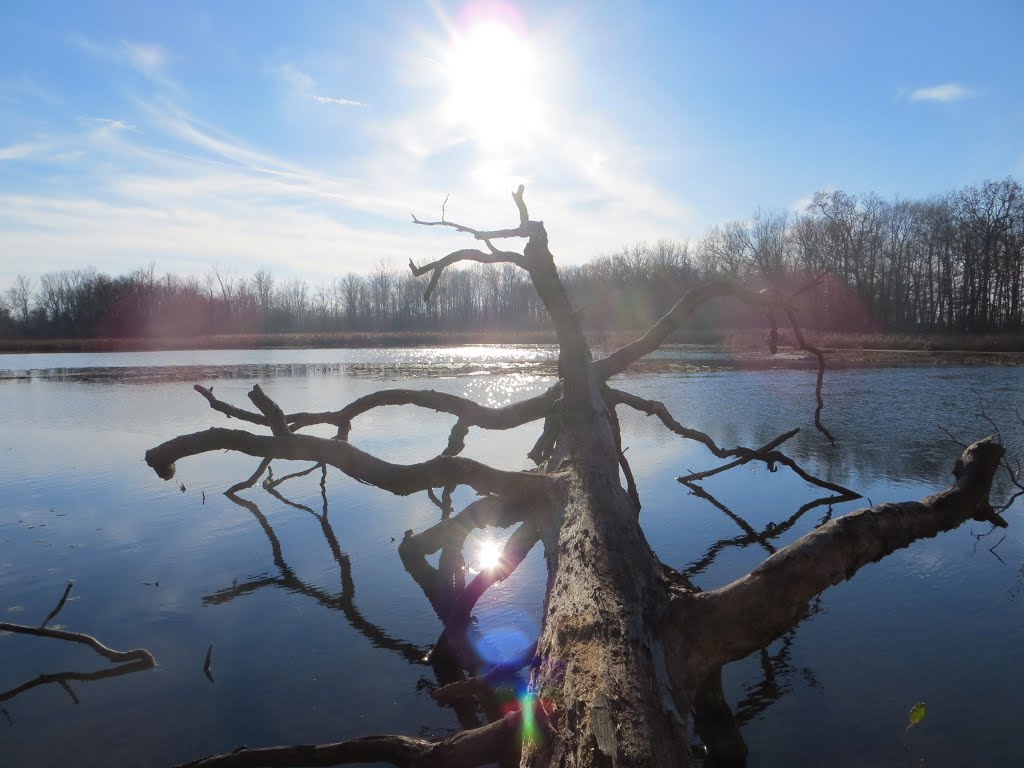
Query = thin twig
x=63 y=599
x=206 y=663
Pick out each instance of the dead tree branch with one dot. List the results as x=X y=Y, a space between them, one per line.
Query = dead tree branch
x=469 y=412
x=399 y=479
x=128 y=661
x=619 y=360
x=754 y=610
x=771 y=458
x=654 y=408
x=138 y=654
x=467 y=749
x=251 y=480
x=271 y=411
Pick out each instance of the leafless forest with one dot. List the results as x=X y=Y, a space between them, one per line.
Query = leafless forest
x=953 y=263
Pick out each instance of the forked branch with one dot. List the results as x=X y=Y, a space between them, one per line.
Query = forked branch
x=471 y=413
x=400 y=479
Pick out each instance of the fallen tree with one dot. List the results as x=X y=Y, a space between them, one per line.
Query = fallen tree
x=630 y=653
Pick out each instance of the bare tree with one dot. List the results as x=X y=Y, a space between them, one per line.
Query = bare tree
x=20 y=297
x=630 y=652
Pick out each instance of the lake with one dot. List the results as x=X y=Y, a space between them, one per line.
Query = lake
x=314 y=642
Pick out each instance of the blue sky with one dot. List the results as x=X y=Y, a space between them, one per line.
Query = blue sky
x=300 y=136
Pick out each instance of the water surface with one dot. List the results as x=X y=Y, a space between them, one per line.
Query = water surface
x=317 y=640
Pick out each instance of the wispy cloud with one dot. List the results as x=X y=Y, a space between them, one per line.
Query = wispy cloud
x=148 y=60
x=204 y=198
x=105 y=127
x=303 y=84
x=341 y=102
x=943 y=93
x=19 y=151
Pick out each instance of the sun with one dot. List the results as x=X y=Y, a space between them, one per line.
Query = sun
x=491 y=72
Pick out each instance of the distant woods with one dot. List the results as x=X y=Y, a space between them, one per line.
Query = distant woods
x=953 y=263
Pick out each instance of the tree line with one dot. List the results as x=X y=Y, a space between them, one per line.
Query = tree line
x=952 y=263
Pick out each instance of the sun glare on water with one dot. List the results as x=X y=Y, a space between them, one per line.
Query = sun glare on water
x=489 y=555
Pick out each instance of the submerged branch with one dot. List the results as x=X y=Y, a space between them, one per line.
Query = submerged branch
x=467 y=749
x=138 y=654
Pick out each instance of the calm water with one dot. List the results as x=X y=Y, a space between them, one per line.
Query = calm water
x=319 y=644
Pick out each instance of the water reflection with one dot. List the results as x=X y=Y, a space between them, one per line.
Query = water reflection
x=460 y=654
x=343 y=601
x=127 y=661
x=762 y=538
x=72 y=446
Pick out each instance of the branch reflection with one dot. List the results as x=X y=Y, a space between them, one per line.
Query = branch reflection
x=715 y=721
x=453 y=658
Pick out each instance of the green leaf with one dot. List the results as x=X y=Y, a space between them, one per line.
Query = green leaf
x=917 y=713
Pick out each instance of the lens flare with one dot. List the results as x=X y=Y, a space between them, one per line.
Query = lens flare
x=530 y=731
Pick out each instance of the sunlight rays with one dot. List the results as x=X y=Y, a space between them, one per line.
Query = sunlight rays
x=491 y=70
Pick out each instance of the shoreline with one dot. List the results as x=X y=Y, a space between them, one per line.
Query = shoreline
x=745 y=340
x=746 y=348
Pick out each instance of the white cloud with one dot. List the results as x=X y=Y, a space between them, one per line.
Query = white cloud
x=302 y=83
x=105 y=127
x=207 y=199
x=342 y=102
x=800 y=204
x=943 y=93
